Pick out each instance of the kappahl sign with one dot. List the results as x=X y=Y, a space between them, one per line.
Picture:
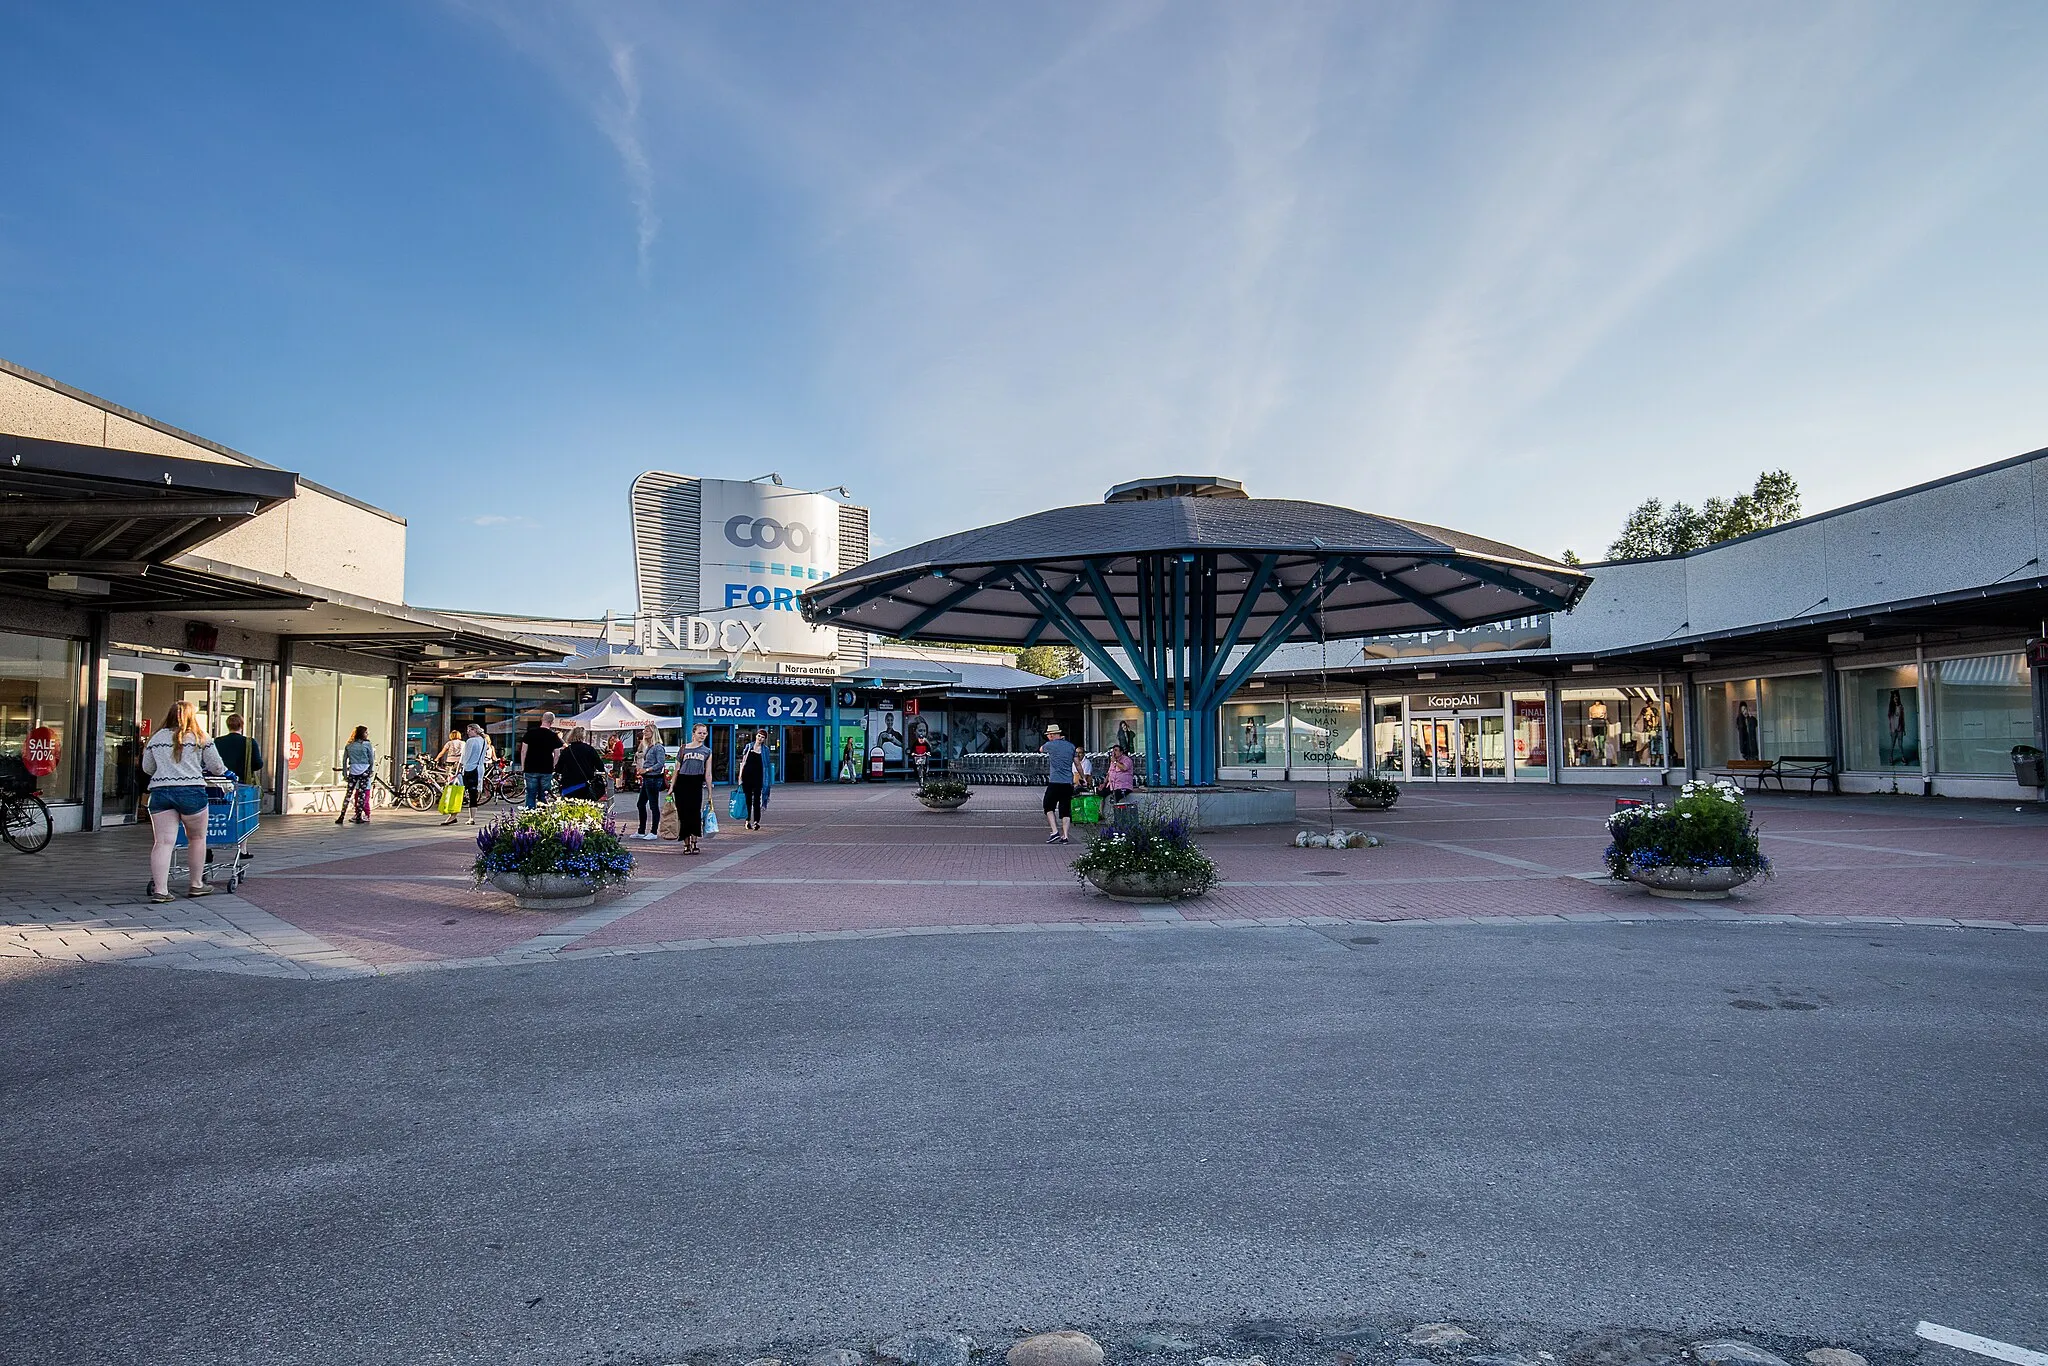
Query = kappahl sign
x=1454 y=701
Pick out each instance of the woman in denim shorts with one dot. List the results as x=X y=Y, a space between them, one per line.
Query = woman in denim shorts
x=177 y=760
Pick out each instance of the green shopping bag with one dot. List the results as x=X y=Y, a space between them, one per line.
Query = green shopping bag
x=1087 y=809
x=451 y=799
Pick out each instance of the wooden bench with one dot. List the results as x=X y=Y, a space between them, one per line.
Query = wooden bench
x=1812 y=769
x=1736 y=770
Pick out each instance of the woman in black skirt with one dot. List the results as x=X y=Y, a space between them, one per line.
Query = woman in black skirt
x=693 y=767
x=754 y=777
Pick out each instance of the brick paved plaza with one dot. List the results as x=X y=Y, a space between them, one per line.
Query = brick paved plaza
x=866 y=861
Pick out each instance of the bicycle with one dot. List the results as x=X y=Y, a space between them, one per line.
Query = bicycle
x=24 y=819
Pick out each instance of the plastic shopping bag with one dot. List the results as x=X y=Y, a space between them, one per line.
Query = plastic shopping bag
x=737 y=807
x=710 y=821
x=451 y=799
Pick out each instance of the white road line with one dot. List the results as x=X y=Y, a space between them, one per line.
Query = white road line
x=1983 y=1347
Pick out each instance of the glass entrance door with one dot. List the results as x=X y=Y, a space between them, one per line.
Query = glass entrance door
x=121 y=765
x=1430 y=751
x=1458 y=747
x=1482 y=746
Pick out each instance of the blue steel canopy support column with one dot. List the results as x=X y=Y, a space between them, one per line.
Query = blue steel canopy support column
x=1174 y=665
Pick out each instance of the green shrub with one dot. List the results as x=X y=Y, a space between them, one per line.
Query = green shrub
x=941 y=790
x=1154 y=840
x=1374 y=791
x=1707 y=827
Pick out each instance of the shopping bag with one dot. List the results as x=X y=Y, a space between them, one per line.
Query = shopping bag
x=451 y=799
x=737 y=807
x=671 y=826
x=710 y=822
x=1087 y=809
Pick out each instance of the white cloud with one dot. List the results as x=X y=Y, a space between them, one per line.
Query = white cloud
x=1497 y=268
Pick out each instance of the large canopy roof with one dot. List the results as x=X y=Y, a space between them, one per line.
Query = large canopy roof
x=1377 y=575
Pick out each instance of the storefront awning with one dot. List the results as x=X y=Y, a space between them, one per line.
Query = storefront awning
x=98 y=527
x=430 y=642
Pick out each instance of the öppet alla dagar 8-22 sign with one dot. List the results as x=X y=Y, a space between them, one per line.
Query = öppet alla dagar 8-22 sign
x=39 y=751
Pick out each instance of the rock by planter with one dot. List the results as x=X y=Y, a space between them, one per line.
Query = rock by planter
x=1836 y=1356
x=1735 y=1352
x=1063 y=1348
x=1437 y=1335
x=927 y=1348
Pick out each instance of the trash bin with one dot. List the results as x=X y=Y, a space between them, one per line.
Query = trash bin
x=2027 y=766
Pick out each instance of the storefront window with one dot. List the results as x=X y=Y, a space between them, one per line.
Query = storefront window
x=1255 y=734
x=1613 y=727
x=1763 y=718
x=1982 y=708
x=1881 y=717
x=326 y=708
x=1119 y=726
x=1386 y=737
x=978 y=732
x=1325 y=733
x=1532 y=736
x=39 y=710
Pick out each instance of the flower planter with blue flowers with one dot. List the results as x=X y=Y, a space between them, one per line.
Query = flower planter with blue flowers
x=554 y=857
x=1699 y=848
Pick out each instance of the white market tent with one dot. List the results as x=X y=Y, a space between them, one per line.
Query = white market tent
x=616 y=712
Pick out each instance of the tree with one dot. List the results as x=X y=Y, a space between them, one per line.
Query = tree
x=1654 y=529
x=1049 y=661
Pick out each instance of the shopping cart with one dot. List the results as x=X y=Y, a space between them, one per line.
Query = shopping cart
x=230 y=821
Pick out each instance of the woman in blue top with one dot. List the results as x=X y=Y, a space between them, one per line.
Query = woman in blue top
x=358 y=760
x=653 y=776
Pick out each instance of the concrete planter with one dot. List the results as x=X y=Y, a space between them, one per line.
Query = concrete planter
x=548 y=892
x=1143 y=888
x=943 y=803
x=1368 y=803
x=1691 y=884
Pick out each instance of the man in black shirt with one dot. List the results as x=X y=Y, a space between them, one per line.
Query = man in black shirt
x=243 y=756
x=537 y=756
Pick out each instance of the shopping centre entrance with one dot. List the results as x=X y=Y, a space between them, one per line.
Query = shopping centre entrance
x=1461 y=736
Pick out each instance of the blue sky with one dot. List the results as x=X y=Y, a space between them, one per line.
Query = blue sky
x=1510 y=268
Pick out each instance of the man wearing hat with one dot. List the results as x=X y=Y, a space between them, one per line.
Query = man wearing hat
x=1060 y=756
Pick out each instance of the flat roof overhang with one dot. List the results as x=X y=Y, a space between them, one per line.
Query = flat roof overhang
x=430 y=642
x=1939 y=620
x=98 y=526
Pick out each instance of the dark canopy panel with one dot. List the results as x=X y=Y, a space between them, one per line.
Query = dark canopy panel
x=1177 y=588
x=1378 y=576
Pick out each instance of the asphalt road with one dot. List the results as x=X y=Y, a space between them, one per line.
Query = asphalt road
x=1573 y=1128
